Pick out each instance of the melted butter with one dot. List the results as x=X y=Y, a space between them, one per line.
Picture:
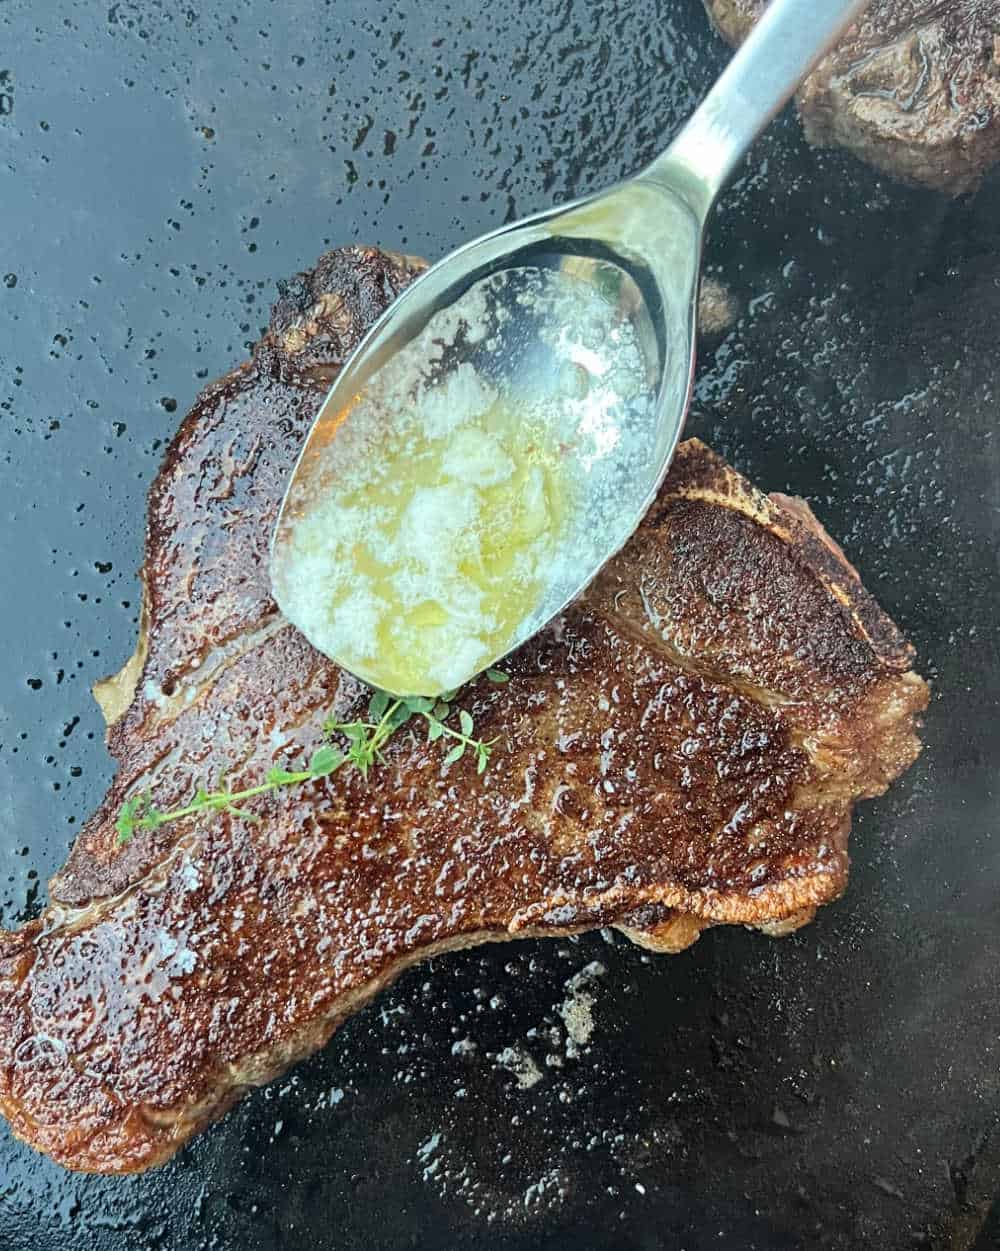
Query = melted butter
x=445 y=553
x=473 y=481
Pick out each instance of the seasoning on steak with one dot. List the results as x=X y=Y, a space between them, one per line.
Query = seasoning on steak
x=680 y=749
x=913 y=89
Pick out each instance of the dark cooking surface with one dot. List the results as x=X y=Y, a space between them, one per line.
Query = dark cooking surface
x=162 y=166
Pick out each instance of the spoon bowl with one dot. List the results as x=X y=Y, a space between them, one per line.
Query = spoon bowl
x=571 y=334
x=582 y=321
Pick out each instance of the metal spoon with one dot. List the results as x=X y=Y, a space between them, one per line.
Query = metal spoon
x=624 y=261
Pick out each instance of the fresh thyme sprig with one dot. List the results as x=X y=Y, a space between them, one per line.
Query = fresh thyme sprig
x=139 y=812
x=365 y=740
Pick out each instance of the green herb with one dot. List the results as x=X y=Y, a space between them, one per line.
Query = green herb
x=139 y=812
x=435 y=716
x=364 y=739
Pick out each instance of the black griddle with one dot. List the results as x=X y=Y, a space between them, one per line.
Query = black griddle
x=162 y=166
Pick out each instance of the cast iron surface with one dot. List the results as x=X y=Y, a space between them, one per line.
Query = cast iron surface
x=161 y=167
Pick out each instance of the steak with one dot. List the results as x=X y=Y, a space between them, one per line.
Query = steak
x=680 y=749
x=913 y=89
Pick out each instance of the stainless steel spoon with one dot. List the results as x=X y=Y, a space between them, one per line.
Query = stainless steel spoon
x=635 y=251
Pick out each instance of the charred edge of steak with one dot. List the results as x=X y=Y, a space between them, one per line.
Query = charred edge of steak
x=322 y=313
x=697 y=471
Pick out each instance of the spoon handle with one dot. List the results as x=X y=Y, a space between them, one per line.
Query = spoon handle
x=780 y=51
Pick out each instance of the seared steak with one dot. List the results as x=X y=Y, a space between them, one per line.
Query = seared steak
x=681 y=749
x=914 y=88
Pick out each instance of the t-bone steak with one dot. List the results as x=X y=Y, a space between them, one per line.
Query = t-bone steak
x=681 y=748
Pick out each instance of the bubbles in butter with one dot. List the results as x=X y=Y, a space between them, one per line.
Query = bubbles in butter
x=429 y=567
x=449 y=500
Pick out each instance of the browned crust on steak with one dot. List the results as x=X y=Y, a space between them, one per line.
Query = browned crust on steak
x=681 y=748
x=913 y=89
